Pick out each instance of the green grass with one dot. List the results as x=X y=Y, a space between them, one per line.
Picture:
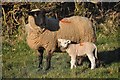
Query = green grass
x=19 y=61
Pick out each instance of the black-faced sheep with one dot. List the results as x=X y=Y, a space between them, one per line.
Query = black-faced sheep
x=38 y=41
x=81 y=49
x=43 y=32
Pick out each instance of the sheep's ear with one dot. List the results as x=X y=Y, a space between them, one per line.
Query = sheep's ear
x=34 y=10
x=59 y=40
x=68 y=41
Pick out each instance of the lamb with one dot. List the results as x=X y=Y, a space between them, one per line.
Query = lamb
x=74 y=50
x=43 y=32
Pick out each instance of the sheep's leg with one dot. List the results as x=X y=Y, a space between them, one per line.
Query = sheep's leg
x=79 y=60
x=40 y=58
x=48 y=59
x=73 y=60
x=92 y=60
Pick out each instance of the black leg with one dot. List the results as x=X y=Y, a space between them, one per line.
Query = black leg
x=100 y=63
x=48 y=63
x=79 y=60
x=40 y=58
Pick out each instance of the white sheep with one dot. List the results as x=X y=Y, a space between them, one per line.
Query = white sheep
x=81 y=49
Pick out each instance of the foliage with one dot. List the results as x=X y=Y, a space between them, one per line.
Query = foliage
x=104 y=16
x=13 y=19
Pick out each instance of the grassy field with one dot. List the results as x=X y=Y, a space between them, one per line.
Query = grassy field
x=19 y=61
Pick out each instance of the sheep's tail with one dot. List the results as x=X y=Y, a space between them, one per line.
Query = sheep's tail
x=95 y=51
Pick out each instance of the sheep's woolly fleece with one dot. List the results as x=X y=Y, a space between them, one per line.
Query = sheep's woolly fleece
x=77 y=29
x=35 y=39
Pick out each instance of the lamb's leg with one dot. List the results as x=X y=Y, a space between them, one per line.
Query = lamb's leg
x=92 y=60
x=40 y=58
x=73 y=60
x=48 y=59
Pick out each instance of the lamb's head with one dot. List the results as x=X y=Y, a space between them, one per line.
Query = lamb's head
x=39 y=17
x=64 y=43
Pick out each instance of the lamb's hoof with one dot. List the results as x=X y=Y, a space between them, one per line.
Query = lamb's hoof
x=92 y=68
x=71 y=68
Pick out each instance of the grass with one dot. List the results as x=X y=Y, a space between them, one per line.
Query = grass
x=19 y=61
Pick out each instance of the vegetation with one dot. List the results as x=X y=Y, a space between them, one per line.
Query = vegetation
x=19 y=61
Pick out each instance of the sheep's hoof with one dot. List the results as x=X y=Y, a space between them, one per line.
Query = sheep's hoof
x=40 y=68
x=47 y=68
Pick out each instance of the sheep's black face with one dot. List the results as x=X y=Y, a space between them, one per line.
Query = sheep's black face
x=39 y=17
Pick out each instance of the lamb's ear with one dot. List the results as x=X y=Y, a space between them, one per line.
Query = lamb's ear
x=59 y=40
x=68 y=41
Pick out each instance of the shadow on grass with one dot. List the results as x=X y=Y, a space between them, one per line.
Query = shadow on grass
x=109 y=57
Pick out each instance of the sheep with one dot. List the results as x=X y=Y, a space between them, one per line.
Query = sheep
x=81 y=49
x=39 y=42
x=43 y=32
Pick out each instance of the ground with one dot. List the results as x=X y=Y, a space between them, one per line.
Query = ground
x=19 y=61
